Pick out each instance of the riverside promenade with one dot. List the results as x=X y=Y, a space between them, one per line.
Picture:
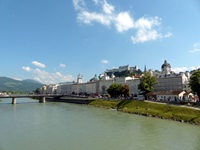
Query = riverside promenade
x=190 y=107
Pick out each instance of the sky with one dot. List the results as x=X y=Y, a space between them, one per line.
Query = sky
x=53 y=41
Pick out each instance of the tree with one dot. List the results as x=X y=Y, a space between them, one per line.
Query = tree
x=147 y=83
x=115 y=90
x=125 y=90
x=194 y=83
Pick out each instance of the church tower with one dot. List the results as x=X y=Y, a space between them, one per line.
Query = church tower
x=166 y=68
x=145 y=68
x=79 y=79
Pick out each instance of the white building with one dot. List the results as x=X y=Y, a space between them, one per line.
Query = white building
x=91 y=87
x=133 y=86
x=170 y=96
x=64 y=89
x=104 y=83
x=122 y=80
x=168 y=80
x=98 y=86
x=80 y=79
x=50 y=89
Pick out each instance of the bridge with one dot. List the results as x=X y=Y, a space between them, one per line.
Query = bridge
x=51 y=97
x=41 y=97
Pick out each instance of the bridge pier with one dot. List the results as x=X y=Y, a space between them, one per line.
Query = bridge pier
x=42 y=99
x=14 y=101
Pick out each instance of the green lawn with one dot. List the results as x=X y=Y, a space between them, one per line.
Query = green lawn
x=164 y=111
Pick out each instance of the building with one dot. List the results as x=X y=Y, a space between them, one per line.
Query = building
x=80 y=79
x=122 y=68
x=171 y=81
x=50 y=89
x=168 y=81
x=104 y=83
x=91 y=87
x=98 y=86
x=133 y=85
x=170 y=96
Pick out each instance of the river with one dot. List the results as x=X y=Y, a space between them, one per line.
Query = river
x=30 y=125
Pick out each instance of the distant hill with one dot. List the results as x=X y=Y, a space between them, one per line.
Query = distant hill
x=8 y=84
x=31 y=81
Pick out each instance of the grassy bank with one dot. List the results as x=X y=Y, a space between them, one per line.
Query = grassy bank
x=163 y=111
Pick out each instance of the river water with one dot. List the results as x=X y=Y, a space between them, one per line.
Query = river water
x=30 y=125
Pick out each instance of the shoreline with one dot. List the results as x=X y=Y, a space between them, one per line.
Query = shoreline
x=75 y=100
x=183 y=114
x=167 y=111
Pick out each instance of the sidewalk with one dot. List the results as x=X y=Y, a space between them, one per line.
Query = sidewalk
x=174 y=105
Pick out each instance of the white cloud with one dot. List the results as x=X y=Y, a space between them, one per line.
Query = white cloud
x=26 y=68
x=123 y=22
x=47 y=77
x=195 y=48
x=79 y=4
x=180 y=69
x=42 y=76
x=87 y=18
x=62 y=78
x=195 y=68
x=107 y=8
x=169 y=34
x=144 y=35
x=146 y=28
x=147 y=23
x=104 y=61
x=38 y=64
x=62 y=65
x=196 y=44
x=50 y=78
x=96 y=2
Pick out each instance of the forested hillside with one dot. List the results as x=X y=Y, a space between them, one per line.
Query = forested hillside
x=8 y=84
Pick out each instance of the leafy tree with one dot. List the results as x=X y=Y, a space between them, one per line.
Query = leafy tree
x=147 y=83
x=115 y=90
x=125 y=90
x=194 y=82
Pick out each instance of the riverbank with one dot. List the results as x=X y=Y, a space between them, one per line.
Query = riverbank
x=75 y=100
x=176 y=113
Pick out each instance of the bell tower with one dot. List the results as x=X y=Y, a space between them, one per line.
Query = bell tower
x=166 y=68
x=79 y=78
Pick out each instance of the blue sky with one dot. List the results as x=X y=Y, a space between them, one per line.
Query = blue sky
x=53 y=41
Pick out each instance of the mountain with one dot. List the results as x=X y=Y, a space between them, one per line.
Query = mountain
x=8 y=84
x=31 y=81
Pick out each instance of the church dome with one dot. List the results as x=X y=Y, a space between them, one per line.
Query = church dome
x=166 y=65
